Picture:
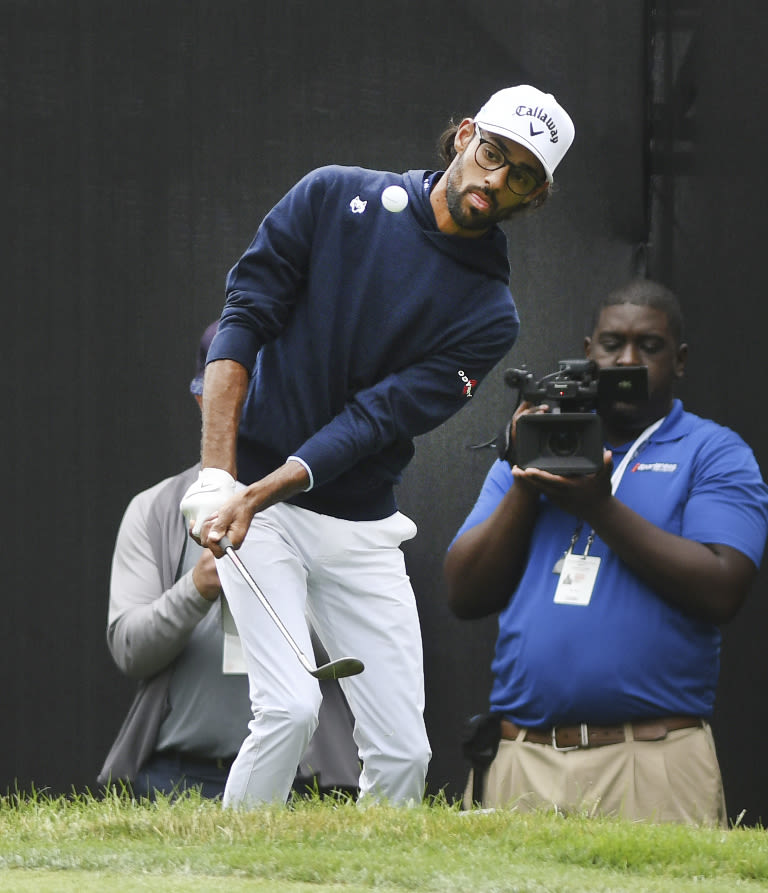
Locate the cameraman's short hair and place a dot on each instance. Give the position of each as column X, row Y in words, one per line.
column 646, row 293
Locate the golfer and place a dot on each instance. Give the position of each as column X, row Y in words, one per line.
column 349, row 328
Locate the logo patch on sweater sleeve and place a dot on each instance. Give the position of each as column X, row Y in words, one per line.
column 469, row 383
column 357, row 205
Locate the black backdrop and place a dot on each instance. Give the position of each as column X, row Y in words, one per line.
column 142, row 143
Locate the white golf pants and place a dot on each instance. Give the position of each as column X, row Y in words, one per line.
column 348, row 578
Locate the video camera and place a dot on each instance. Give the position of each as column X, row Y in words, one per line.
column 568, row 440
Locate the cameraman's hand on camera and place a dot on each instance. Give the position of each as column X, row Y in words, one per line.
column 580, row 495
column 509, row 451
column 527, row 408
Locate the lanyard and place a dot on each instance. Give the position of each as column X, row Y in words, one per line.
column 618, row 474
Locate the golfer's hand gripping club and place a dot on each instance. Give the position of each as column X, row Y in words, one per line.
column 335, row 669
column 206, row 496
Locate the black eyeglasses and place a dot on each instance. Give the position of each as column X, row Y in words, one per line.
column 490, row 158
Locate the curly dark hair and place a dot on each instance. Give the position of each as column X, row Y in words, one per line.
column 447, row 152
column 445, row 148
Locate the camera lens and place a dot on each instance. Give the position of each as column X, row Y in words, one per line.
column 565, row 442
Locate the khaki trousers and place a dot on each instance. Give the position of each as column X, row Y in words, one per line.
column 676, row 779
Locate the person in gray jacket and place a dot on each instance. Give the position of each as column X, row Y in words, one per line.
column 169, row 627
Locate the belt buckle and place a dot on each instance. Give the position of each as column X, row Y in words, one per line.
column 584, row 733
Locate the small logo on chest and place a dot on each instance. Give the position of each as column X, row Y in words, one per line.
column 665, row 467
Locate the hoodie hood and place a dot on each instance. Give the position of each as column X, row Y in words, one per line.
column 488, row 254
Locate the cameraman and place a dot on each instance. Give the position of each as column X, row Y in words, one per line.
column 607, row 659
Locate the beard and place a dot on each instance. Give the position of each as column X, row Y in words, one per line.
column 626, row 420
column 466, row 215
column 625, row 416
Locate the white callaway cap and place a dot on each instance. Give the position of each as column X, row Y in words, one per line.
column 532, row 118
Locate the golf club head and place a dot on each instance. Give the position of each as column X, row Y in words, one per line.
column 336, row 669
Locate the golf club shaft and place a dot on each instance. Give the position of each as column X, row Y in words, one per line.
column 227, row 546
column 335, row 669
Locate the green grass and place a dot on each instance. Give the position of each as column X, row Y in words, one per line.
column 82, row 843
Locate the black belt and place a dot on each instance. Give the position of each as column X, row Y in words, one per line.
column 584, row 735
column 193, row 763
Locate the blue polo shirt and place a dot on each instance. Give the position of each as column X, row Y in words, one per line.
column 628, row 654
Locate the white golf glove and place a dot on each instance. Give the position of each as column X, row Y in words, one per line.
column 206, row 496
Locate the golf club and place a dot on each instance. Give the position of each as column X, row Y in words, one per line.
column 335, row 669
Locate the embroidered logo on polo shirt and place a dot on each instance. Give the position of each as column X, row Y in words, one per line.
column 357, row 205
column 469, row 383
column 666, row 467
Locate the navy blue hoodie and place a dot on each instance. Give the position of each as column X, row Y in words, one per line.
column 363, row 328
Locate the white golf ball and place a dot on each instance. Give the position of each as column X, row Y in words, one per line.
column 394, row 198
